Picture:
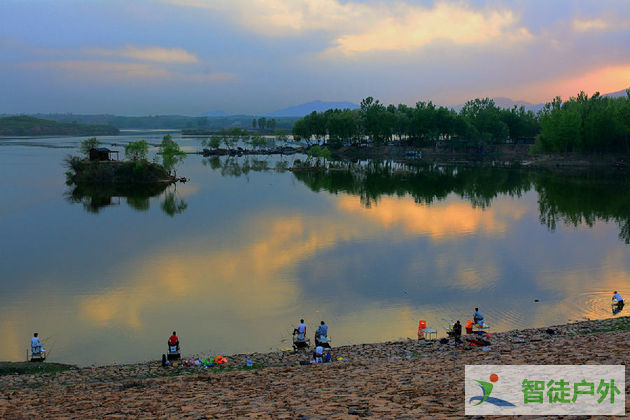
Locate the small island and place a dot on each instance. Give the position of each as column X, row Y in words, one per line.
column 98, row 168
column 23, row 125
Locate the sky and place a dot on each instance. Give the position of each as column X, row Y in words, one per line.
column 148, row 57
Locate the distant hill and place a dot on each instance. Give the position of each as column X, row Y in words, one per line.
column 214, row 114
column 503, row 102
column 125, row 122
column 509, row 103
column 305, row 109
column 619, row 94
column 23, row 125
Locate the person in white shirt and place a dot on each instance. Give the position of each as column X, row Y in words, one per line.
column 36, row 345
column 319, row 354
column 300, row 330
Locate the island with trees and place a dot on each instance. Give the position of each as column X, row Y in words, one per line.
column 136, row 169
column 94, row 178
column 23, row 125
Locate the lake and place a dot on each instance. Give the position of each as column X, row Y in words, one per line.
column 235, row 257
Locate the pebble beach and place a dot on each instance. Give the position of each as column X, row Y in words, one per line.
column 403, row 379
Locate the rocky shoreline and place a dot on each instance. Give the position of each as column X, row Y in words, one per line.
column 405, row 379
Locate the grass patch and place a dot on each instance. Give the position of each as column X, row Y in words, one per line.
column 30, row 368
column 181, row 371
column 621, row 325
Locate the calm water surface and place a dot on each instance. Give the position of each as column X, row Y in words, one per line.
column 233, row 259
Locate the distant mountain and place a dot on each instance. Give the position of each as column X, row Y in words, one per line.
column 214, row 114
column 619, row 94
column 509, row 103
column 305, row 109
column 502, row 102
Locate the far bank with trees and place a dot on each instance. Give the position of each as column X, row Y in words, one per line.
column 23, row 125
column 581, row 124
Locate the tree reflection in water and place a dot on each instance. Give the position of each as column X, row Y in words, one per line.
column 569, row 198
column 96, row 197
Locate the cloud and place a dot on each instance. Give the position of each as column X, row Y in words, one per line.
column 156, row 54
column 121, row 71
column 583, row 25
column 599, row 24
column 439, row 221
column 257, row 264
column 113, row 70
column 354, row 27
column 604, row 80
column 445, row 22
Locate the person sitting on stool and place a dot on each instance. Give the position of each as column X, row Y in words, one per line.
column 173, row 340
column 36, row 345
column 477, row 317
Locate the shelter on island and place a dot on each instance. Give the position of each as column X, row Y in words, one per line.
column 103, row 153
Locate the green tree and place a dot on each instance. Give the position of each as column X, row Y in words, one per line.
column 88, row 144
column 258, row 141
column 213, row 142
column 137, row 150
column 171, row 153
column 319, row 152
column 376, row 121
column 485, row 119
column 281, row 135
column 301, row 130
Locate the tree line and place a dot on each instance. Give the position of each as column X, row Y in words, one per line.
column 581, row 124
column 586, row 125
column 263, row 123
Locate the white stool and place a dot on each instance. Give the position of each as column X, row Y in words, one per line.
column 428, row 332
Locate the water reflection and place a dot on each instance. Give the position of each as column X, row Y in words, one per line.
column 572, row 199
column 575, row 200
column 241, row 166
column 368, row 247
column 138, row 197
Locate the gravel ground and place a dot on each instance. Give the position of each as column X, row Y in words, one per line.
column 407, row 379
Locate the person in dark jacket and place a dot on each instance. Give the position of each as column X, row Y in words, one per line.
column 457, row 331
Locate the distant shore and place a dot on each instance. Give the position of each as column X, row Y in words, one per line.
column 23, row 125
column 393, row 379
column 509, row 155
column 506, row 155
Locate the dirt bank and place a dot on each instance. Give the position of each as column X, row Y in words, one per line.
column 407, row 379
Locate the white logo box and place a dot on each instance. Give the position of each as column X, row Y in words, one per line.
column 549, row 390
